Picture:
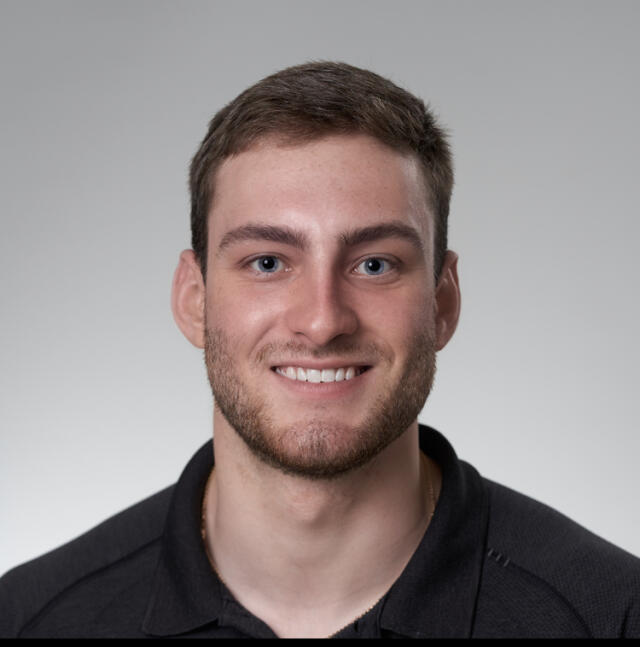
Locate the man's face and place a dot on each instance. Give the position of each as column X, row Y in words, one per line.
column 320, row 309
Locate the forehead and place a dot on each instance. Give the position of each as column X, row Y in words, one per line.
column 323, row 186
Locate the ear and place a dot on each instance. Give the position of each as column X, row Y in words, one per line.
column 447, row 300
column 187, row 298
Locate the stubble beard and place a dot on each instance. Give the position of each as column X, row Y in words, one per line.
column 319, row 447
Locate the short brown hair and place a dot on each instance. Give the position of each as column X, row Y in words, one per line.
column 306, row 102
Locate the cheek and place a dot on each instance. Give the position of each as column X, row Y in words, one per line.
column 395, row 314
column 241, row 316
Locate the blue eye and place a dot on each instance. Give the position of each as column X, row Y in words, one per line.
column 266, row 264
column 374, row 266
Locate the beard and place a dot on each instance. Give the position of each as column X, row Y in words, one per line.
column 319, row 447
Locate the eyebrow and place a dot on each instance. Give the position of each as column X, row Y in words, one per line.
column 273, row 233
column 380, row 232
column 299, row 240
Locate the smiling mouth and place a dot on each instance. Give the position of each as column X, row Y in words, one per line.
column 318, row 376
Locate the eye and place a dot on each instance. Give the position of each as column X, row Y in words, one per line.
column 266, row 264
column 374, row 266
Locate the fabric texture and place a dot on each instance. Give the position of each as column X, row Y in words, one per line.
column 492, row 564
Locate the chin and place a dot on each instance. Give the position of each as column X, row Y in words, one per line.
column 318, row 448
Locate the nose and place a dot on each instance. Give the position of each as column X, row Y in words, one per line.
column 320, row 310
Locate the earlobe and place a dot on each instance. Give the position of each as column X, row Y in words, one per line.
column 187, row 298
column 447, row 300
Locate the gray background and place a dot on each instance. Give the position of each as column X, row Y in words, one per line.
column 102, row 401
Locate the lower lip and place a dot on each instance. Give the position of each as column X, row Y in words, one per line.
column 323, row 390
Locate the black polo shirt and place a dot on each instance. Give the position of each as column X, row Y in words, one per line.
column 493, row 563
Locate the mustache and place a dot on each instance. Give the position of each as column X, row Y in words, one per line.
column 343, row 348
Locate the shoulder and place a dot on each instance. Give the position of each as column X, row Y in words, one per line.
column 107, row 558
column 560, row 573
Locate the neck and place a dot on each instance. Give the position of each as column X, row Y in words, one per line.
column 308, row 556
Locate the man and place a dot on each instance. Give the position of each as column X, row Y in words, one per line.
column 320, row 287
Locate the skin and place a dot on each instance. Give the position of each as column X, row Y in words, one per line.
column 311, row 530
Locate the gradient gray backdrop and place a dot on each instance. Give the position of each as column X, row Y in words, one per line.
column 102, row 401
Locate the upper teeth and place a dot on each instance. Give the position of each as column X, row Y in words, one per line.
column 315, row 375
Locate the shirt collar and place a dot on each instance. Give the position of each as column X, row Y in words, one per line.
column 186, row 592
column 434, row 597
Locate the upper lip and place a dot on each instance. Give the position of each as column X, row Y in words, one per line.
column 320, row 364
